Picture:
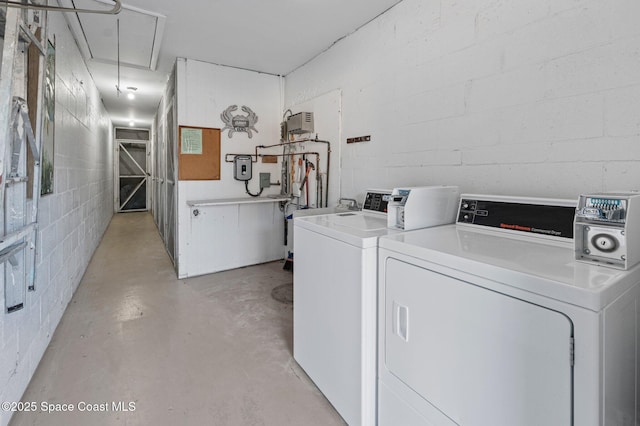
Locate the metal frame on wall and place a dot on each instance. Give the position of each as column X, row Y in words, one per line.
column 49, row 125
column 19, row 214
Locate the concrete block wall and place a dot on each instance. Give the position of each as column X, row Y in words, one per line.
column 538, row 98
column 72, row 220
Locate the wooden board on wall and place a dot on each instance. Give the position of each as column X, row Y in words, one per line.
column 199, row 158
column 33, row 74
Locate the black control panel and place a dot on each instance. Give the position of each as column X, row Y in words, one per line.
column 373, row 201
column 549, row 220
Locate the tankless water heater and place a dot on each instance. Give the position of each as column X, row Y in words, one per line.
column 301, row 122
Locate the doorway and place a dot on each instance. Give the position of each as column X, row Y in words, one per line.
column 132, row 170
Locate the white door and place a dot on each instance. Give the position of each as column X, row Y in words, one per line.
column 480, row 357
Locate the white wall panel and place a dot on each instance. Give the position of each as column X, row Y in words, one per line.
column 204, row 91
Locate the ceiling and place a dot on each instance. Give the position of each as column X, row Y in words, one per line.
column 274, row 37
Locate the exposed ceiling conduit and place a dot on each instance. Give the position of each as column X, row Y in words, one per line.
column 117, row 6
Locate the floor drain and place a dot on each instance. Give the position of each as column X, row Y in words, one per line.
column 283, row 293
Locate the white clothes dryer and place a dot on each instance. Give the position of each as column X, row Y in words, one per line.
column 491, row 322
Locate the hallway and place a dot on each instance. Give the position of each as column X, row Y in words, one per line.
column 210, row 350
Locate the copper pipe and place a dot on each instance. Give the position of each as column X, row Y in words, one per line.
column 326, row 202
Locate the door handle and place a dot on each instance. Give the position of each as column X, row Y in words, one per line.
column 401, row 321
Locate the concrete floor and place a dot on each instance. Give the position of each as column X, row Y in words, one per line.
column 211, row 350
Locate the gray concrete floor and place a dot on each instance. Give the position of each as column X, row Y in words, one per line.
column 211, row 350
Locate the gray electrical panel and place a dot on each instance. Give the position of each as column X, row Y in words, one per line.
column 265, row 180
column 242, row 167
column 301, row 122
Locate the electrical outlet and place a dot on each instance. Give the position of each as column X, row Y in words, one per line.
column 265, row 180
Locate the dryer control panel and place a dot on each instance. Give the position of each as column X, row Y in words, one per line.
column 605, row 229
column 544, row 217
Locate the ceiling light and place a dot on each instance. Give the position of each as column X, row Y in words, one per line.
column 131, row 92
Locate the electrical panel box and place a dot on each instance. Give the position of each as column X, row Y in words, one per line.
column 606, row 229
column 301, row 122
column 242, row 167
column 265, row 180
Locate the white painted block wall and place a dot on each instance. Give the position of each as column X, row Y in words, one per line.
column 72, row 219
column 204, row 91
column 538, row 98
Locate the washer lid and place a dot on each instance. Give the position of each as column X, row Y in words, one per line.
column 533, row 264
column 356, row 228
column 355, row 220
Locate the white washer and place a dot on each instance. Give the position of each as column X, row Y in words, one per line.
column 334, row 304
column 492, row 322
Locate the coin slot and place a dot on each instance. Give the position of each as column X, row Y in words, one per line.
column 604, row 242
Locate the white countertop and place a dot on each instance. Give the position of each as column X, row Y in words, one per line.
column 238, row 200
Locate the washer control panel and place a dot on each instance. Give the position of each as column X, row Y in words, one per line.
column 603, row 225
column 374, row 201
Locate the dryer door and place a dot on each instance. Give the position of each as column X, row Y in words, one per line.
column 480, row 357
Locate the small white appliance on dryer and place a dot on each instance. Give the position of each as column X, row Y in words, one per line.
column 335, row 301
column 492, row 322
